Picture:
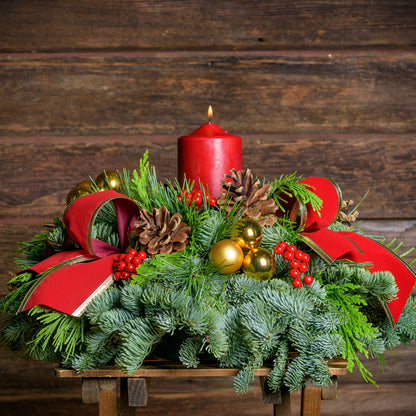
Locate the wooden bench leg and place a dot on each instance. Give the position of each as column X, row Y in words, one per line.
column 330, row 391
column 283, row 408
column 107, row 405
column 280, row 400
column 90, row 390
column 310, row 400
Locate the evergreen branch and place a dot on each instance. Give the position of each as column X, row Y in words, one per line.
column 63, row 333
column 354, row 328
column 288, row 186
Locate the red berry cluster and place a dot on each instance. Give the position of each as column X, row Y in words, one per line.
column 196, row 197
column 297, row 262
column 126, row 264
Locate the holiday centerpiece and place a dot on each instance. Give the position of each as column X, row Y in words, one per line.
column 235, row 270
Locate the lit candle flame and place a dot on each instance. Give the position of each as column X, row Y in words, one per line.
column 210, row 113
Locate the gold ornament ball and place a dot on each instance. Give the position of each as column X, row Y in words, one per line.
column 226, row 255
column 247, row 233
column 259, row 264
column 81, row 189
column 109, row 179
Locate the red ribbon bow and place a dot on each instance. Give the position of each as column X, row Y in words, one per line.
column 73, row 278
column 333, row 245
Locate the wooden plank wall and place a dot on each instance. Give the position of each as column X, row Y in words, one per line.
column 319, row 87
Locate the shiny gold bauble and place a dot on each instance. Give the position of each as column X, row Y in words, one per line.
column 227, row 256
column 81, row 189
column 247, row 233
column 109, row 179
column 259, row 264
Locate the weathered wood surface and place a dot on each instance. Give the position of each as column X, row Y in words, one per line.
column 39, row 171
column 33, row 25
column 251, row 92
column 321, row 87
column 188, row 396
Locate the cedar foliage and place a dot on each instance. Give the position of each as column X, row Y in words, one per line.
column 180, row 307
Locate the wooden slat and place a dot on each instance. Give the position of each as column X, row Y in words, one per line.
column 168, row 93
column 39, row 171
column 160, row 368
column 34, row 25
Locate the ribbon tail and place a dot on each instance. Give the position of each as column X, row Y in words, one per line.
column 328, row 244
column 383, row 259
column 70, row 288
column 333, row 245
column 66, row 257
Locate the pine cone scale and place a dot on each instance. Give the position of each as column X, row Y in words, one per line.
column 159, row 233
column 241, row 187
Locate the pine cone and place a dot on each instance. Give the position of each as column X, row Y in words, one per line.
column 346, row 215
column 160, row 233
column 246, row 190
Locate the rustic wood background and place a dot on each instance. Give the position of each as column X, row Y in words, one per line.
column 319, row 87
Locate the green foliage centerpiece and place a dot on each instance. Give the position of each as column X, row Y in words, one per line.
column 171, row 291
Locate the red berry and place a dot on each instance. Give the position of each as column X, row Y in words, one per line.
column 188, row 198
column 179, row 198
column 308, row 279
column 198, row 193
column 299, row 255
column 212, row 201
column 291, row 248
column 132, row 251
column 306, row 258
column 283, row 244
column 294, row 273
column 122, row 256
column 303, row 267
column 288, row 255
column 125, row 275
column 198, row 199
column 117, row 276
column 294, row 264
column 296, row 282
column 115, row 266
column 278, row 249
column 128, row 258
column 141, row 255
column 136, row 261
column 121, row 266
column 130, row 268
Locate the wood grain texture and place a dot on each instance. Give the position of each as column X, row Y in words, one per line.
column 186, row 397
column 321, row 87
column 168, row 93
column 39, row 171
column 35, row 25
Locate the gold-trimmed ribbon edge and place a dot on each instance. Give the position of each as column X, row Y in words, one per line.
column 100, row 289
column 94, row 216
column 74, row 260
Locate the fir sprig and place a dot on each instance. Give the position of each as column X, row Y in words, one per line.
column 63, row 333
column 354, row 327
column 288, row 186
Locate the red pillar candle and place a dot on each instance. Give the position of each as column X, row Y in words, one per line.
column 206, row 155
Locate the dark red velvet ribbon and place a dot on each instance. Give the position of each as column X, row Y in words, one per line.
column 72, row 279
column 344, row 245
